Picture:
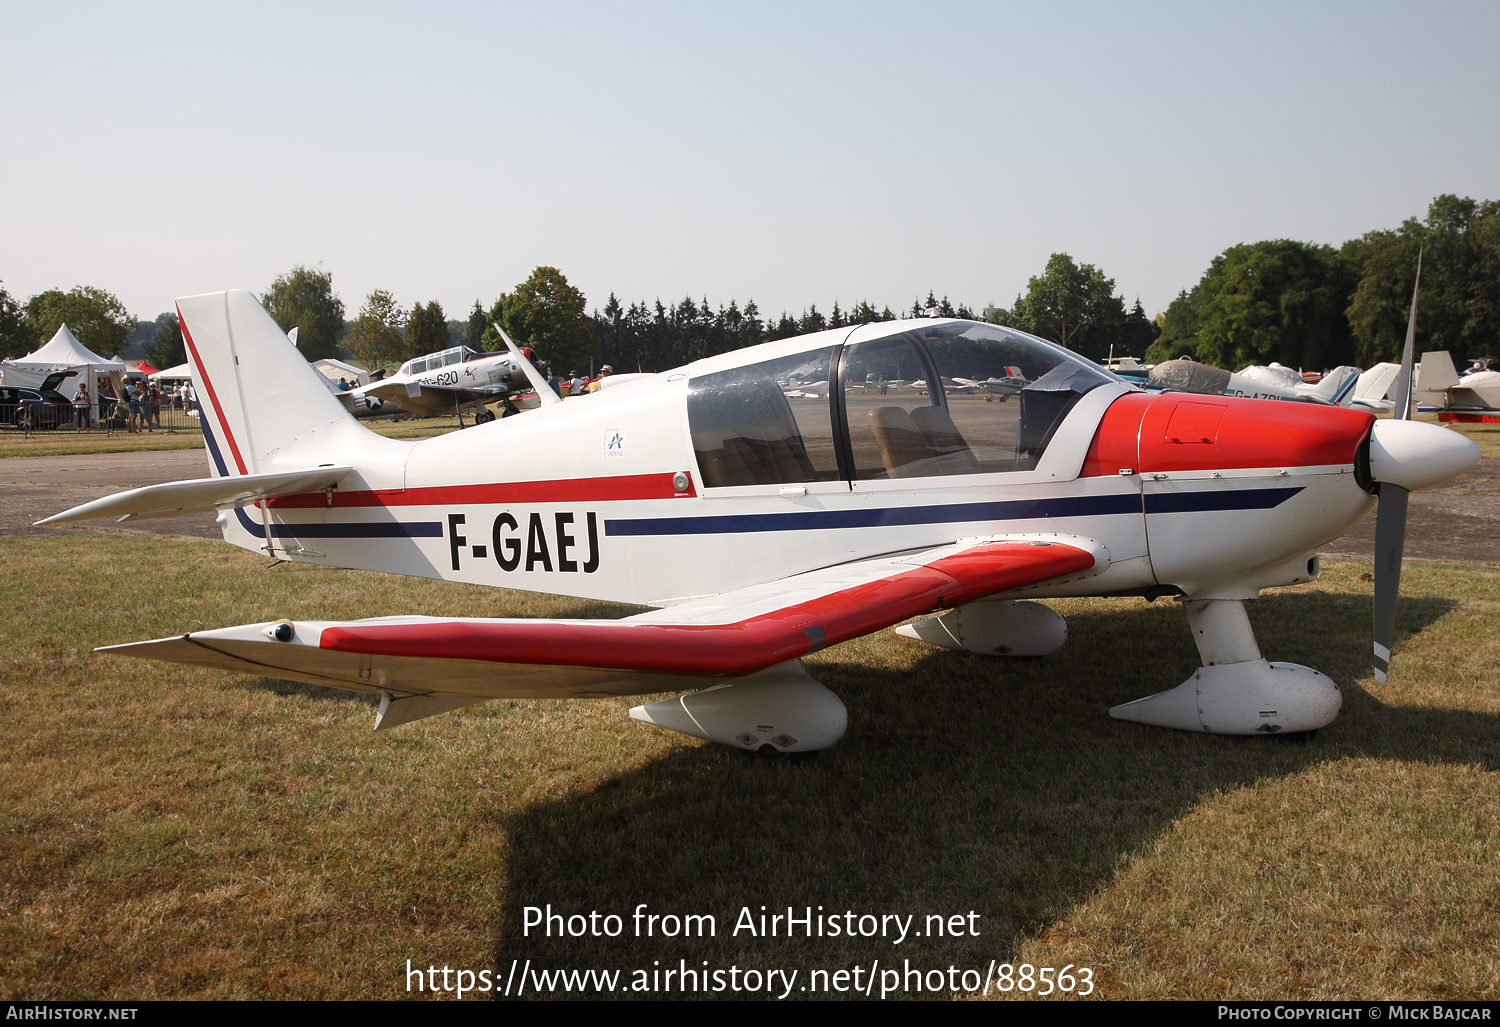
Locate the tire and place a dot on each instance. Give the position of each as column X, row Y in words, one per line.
column 25, row 420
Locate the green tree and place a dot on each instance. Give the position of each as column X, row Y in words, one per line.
column 166, row 348
column 303, row 298
column 95, row 317
column 427, row 329
column 1065, row 301
column 548, row 314
column 1131, row 337
column 16, row 338
column 1179, row 330
column 375, row 337
column 1460, row 302
column 478, row 324
column 1258, row 302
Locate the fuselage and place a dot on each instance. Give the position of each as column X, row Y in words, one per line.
column 708, row 478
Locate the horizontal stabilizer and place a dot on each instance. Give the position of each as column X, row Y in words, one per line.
column 200, row 495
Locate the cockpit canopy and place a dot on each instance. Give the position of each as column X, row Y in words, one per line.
column 442, row 358
column 944, row 398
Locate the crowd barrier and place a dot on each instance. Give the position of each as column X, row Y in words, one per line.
column 111, row 418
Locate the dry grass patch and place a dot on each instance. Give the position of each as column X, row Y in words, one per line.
column 176, row 832
column 71, row 443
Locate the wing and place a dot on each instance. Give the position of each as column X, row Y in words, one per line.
column 688, row 645
column 200, row 495
column 425, row 400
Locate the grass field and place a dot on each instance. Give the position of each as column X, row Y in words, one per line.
column 171, row 832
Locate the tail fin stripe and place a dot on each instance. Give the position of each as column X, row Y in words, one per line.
column 212, row 395
column 213, row 447
column 1350, row 382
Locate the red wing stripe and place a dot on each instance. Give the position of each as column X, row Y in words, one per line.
column 580, row 490
column 729, row 650
column 213, row 396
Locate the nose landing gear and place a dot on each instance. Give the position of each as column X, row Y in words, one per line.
column 1236, row 691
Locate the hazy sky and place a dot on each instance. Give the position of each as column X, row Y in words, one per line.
column 794, row 153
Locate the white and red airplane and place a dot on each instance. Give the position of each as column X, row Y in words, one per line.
column 762, row 530
column 440, row 383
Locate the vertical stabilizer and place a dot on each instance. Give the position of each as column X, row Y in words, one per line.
column 257, row 395
column 1337, row 386
column 1437, row 376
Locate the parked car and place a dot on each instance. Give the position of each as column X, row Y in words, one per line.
column 34, row 409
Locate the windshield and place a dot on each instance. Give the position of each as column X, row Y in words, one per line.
column 958, row 398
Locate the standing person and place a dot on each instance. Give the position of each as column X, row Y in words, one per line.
column 153, row 405
column 135, row 407
column 596, row 384
column 81, row 407
column 107, row 402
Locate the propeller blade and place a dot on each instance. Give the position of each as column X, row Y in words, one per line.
column 544, row 391
column 1401, row 390
column 1390, row 541
column 1390, row 515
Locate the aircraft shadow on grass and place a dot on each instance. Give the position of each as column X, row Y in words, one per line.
column 965, row 783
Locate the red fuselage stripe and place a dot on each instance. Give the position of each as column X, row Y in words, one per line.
column 565, row 490
column 212, row 396
column 730, row 650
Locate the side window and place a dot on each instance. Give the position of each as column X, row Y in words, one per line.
column 765, row 424
column 887, row 400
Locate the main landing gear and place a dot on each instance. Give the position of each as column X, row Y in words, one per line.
column 780, row 711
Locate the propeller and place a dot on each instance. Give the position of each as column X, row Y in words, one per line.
column 1390, row 515
column 544, row 391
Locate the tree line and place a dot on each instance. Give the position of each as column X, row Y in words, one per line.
column 1302, row 304
column 1315, row 306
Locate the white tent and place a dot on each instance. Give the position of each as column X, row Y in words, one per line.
column 61, row 353
column 173, row 373
column 63, row 350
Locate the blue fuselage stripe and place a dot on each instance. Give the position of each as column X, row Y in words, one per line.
column 1009, row 510
column 346, row 529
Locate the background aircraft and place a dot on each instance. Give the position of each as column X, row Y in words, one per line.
column 761, row 531
column 1271, row 382
column 440, row 383
column 1373, row 387
column 1475, row 396
column 1009, row 382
